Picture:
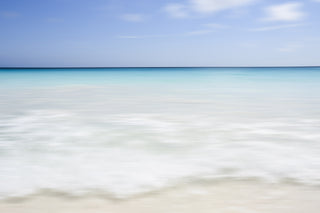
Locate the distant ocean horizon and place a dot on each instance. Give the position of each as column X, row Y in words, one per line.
column 121, row 67
column 132, row 130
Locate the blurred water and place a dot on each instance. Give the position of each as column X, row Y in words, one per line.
column 126, row 131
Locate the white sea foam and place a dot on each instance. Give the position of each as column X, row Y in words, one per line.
column 126, row 154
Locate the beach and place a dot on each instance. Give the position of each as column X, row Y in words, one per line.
column 222, row 197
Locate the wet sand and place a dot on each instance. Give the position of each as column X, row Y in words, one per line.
column 222, row 197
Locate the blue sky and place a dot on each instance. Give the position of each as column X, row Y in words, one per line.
column 159, row 32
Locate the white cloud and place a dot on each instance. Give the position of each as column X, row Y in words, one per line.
column 133, row 17
column 9, row 14
column 276, row 27
column 203, row 7
column 284, row 12
column 209, row 6
column 177, row 10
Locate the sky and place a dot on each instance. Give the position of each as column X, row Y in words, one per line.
column 53, row 33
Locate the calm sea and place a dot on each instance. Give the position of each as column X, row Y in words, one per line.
column 126, row 131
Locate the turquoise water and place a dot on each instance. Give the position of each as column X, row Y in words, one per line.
column 125, row 131
column 103, row 76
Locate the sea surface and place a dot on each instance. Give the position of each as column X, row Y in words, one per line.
column 126, row 131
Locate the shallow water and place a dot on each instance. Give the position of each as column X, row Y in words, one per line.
column 128, row 131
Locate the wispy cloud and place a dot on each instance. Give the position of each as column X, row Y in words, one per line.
column 209, row 6
column 184, row 34
column 133, row 17
column 129, row 37
column 284, row 12
column 207, row 29
column 276, row 27
column 144, row 36
column 177, row 10
column 183, row 10
column 9, row 14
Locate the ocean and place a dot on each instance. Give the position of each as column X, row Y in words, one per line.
column 123, row 132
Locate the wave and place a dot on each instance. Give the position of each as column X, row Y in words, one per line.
column 127, row 154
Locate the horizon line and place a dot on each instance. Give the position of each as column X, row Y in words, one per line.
column 119, row 67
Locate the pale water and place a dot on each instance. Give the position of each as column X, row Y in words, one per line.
column 126, row 131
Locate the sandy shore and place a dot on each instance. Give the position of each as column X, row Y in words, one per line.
column 226, row 197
